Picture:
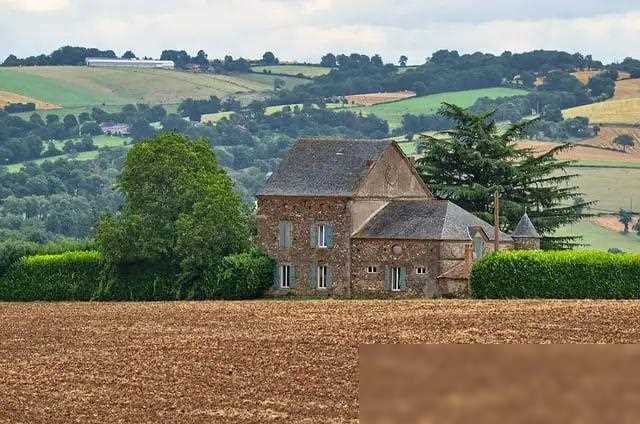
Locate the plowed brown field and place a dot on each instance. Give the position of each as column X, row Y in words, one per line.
column 248, row 362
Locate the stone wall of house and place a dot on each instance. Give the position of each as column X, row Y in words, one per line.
column 380, row 253
column 526, row 244
column 392, row 176
column 302, row 213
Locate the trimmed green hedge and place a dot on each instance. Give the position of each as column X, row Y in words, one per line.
column 67, row 276
column 556, row 275
column 83, row 276
column 243, row 276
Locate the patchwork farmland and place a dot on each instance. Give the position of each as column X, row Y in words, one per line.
column 79, row 87
column 425, row 105
column 309, row 71
column 249, row 362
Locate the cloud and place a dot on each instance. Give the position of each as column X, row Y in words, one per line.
column 35, row 5
column 306, row 29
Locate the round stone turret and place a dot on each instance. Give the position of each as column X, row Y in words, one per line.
column 525, row 236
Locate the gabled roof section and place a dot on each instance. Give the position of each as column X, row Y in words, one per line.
column 324, row 167
column 525, row 229
column 425, row 220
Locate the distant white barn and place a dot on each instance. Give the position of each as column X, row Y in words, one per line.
column 100, row 62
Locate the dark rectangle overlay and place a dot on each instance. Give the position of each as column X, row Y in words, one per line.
column 499, row 384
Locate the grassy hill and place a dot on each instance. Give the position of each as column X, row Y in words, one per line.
column 77, row 87
column 310, row 71
column 101, row 142
column 599, row 238
column 425, row 105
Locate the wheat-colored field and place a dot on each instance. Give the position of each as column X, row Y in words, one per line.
column 585, row 76
column 627, row 89
column 626, row 112
column 371, row 99
column 248, row 362
column 7, row 98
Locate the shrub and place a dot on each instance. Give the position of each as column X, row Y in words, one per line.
column 555, row 274
column 67, row 276
column 138, row 281
column 12, row 250
column 242, row 276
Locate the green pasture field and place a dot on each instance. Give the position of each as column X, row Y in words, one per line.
column 596, row 237
column 427, row 105
column 76, row 87
column 310, row 71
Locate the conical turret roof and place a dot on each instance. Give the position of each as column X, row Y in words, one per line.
column 525, row 228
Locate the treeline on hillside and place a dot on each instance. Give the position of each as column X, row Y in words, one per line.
column 22, row 140
column 444, row 71
column 560, row 90
column 58, row 199
column 64, row 56
column 182, row 233
column 75, row 56
column 249, row 145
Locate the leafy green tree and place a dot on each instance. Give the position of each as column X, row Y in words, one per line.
column 90, row 128
column 269, row 59
column 180, row 209
column 625, row 217
column 475, row 158
column 329, row 60
column 70, row 122
column 403, row 61
column 129, row 55
column 624, row 141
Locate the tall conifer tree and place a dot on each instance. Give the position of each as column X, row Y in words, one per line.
column 469, row 162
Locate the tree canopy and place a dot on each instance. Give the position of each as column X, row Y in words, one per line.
column 468, row 163
column 179, row 209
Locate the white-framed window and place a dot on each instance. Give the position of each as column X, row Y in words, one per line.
column 372, row 269
column 421, row 270
column 396, row 284
column 285, row 276
column 322, row 236
column 322, row 276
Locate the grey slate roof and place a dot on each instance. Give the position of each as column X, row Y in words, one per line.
column 328, row 167
column 425, row 220
column 525, row 228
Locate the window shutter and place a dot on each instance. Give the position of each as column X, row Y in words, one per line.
column 403, row 278
column 313, row 235
column 276, row 277
column 292, row 276
column 329, row 235
column 387, row 278
column 313, row 275
column 329, row 277
column 282, row 235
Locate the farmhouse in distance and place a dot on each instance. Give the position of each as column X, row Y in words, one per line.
column 351, row 218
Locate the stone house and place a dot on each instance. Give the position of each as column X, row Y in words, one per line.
column 352, row 218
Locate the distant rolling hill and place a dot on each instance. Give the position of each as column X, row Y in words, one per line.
column 78, row 87
column 426, row 105
column 309, row 71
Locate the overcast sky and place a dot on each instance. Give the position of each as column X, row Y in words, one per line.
column 305, row 29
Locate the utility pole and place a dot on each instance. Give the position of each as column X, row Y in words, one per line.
column 496, row 221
